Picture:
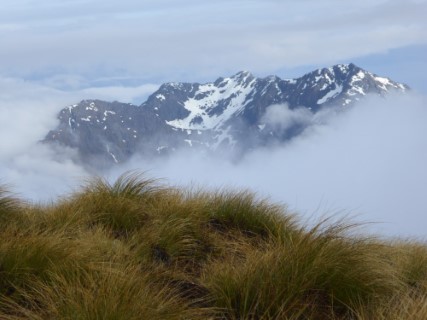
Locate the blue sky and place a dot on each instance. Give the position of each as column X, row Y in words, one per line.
column 371, row 161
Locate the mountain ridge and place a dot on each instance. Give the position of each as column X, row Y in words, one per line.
column 228, row 113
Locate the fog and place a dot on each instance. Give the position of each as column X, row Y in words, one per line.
column 368, row 161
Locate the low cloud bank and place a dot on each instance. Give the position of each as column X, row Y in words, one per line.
column 28, row 111
column 368, row 161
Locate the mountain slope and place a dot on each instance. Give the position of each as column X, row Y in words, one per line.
column 229, row 113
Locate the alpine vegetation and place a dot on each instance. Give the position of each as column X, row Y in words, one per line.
column 137, row 249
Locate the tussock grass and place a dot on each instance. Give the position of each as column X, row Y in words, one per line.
column 9, row 207
column 136, row 249
column 241, row 211
column 319, row 274
column 410, row 304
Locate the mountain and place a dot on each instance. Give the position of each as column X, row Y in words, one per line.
column 230, row 114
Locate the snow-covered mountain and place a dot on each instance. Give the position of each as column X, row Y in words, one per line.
column 231, row 113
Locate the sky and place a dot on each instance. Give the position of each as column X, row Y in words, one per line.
column 56, row 53
column 80, row 44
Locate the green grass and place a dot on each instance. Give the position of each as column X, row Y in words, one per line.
column 136, row 249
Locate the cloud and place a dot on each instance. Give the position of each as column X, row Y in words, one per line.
column 173, row 39
column 135, row 95
column 39, row 173
column 281, row 118
column 28, row 111
column 368, row 161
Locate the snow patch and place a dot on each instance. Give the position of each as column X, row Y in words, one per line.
column 112, row 154
column 71, row 107
column 161, row 97
column 92, row 107
column 161, row 148
column 330, row 94
column 383, row 81
column 291, row 81
column 325, row 85
column 234, row 91
column 106, row 113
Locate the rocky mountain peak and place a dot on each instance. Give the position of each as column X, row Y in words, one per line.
column 226, row 113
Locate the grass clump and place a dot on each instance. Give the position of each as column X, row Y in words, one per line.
column 241, row 211
column 121, row 206
column 26, row 255
column 135, row 249
column 10, row 207
column 321, row 274
column 105, row 292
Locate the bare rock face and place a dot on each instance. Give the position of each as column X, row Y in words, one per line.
column 229, row 113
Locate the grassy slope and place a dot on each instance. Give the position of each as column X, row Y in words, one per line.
column 136, row 250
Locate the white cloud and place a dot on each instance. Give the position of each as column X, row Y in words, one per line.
column 281, row 118
column 37, row 173
column 135, row 95
column 171, row 38
column 28, row 111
